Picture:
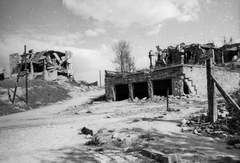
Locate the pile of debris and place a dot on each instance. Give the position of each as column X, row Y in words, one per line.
column 227, row 126
column 157, row 98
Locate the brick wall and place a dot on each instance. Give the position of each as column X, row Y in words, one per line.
column 228, row 79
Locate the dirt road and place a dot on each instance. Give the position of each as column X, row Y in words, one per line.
column 33, row 136
column 51, row 134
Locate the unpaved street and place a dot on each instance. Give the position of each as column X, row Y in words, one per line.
column 51, row 134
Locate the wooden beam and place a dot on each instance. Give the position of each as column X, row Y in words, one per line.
column 225, row 95
column 211, row 91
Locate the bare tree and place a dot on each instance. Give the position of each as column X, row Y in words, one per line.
column 123, row 60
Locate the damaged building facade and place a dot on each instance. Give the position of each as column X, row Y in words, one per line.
column 45, row 64
column 179, row 72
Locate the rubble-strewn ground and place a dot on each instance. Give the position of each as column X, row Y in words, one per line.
column 122, row 131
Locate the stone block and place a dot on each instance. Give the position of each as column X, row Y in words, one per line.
column 159, row 156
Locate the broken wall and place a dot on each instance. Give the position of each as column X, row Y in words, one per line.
column 174, row 74
column 194, row 77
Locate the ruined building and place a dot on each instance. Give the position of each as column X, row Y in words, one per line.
column 178, row 70
column 45, row 64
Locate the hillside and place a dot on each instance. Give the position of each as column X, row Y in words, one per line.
column 40, row 93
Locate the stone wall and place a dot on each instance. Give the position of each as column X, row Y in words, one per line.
column 173, row 73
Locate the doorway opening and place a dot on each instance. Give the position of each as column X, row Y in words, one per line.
column 140, row 90
column 160, row 87
column 122, row 92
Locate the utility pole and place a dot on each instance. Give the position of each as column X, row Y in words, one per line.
column 26, row 73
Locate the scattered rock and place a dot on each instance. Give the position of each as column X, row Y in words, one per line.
column 99, row 150
column 95, row 141
column 159, row 156
column 195, row 131
column 229, row 147
column 88, row 137
column 88, row 111
column 132, row 149
column 183, row 122
column 237, row 146
column 86, row 131
column 115, row 135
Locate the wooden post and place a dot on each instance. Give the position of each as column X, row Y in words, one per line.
column 26, row 73
column 167, row 99
column 211, row 91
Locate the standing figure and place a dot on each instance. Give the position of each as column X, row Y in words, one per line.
column 30, row 54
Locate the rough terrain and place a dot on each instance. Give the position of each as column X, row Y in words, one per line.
column 52, row 133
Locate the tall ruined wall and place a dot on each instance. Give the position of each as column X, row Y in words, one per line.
column 229, row 80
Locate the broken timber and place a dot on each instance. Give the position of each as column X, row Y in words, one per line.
column 225, row 95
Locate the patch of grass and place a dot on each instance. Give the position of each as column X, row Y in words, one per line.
column 8, row 108
column 40, row 93
column 47, row 94
column 9, row 83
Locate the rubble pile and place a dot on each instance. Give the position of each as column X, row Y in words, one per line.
column 157, row 98
column 226, row 127
column 135, row 111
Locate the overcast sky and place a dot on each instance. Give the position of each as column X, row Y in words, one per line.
column 88, row 28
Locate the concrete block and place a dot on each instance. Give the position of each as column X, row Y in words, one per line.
column 159, row 156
